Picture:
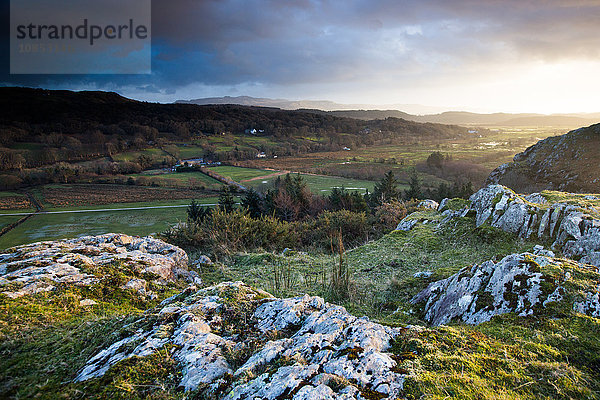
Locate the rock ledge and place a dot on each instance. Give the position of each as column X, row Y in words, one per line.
column 235, row 342
column 39, row 267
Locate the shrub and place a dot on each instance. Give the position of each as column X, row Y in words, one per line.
column 318, row 233
column 8, row 182
column 388, row 215
column 229, row 232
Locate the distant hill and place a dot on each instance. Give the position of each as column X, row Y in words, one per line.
column 69, row 112
column 314, row 105
column 409, row 112
column 474, row 119
column 567, row 163
column 40, row 127
column 265, row 102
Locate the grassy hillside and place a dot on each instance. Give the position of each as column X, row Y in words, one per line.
column 382, row 271
column 566, row 163
column 543, row 356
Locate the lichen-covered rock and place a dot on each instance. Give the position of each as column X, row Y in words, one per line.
column 39, row 267
column 429, row 204
column 407, row 224
column 574, row 229
column 519, row 283
column 539, row 250
column 203, row 259
column 425, row 216
column 235, row 342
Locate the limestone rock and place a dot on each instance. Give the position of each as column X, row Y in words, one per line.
column 87, row 303
column 38, row 267
column 429, row 204
column 202, row 260
column 406, row 224
column 590, row 305
column 574, row 229
column 490, row 200
column 539, row 250
column 313, row 345
column 519, row 283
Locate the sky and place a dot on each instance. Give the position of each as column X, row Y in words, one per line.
column 475, row 55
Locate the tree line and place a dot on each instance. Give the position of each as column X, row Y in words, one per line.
column 290, row 215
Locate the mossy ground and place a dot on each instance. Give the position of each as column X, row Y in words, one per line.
column 508, row 357
column 45, row 339
column 382, row 272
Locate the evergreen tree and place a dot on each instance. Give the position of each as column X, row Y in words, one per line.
column 442, row 192
column 467, row 190
column 414, row 191
column 359, row 204
column 269, row 201
column 299, row 193
column 253, row 202
column 336, row 198
column 342, row 199
column 436, row 160
column 197, row 212
column 226, row 200
column 385, row 190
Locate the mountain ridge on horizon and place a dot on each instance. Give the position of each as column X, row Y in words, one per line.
column 368, row 112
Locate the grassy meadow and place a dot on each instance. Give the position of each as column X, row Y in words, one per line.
column 140, row 222
column 496, row 146
column 262, row 180
column 240, row 174
column 178, row 179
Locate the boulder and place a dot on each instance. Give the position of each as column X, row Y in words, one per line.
column 42, row 266
column 539, row 250
column 298, row 345
column 490, row 200
column 203, row 260
column 520, row 283
column 406, row 224
column 87, row 303
column 429, row 204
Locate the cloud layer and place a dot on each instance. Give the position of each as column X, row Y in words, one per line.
column 351, row 49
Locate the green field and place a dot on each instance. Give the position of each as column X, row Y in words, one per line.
column 7, row 220
column 224, row 143
column 134, row 155
column 185, row 151
column 178, row 179
column 157, row 203
column 321, row 184
column 239, row 174
column 11, row 194
column 132, row 222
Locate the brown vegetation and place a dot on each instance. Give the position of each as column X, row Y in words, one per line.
column 77, row 195
column 14, row 202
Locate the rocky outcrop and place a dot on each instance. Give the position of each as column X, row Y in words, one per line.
column 565, row 163
column 235, row 342
column 573, row 228
column 41, row 267
column 520, row 283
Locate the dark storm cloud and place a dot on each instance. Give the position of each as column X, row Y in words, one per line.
column 232, row 42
